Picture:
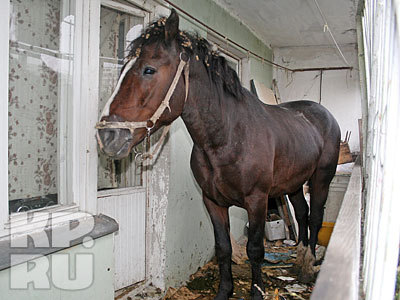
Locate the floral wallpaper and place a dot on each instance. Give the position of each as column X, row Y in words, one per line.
column 36, row 78
column 33, row 98
column 115, row 30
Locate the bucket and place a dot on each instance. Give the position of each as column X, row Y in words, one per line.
column 275, row 230
column 325, row 232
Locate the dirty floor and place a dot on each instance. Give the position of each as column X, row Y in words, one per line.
column 279, row 276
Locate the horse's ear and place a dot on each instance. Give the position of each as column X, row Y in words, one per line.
column 171, row 26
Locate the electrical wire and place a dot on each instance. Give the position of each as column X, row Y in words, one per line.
column 326, row 26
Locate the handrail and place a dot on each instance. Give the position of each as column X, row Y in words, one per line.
column 339, row 275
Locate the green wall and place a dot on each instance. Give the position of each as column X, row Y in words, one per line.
column 189, row 234
column 261, row 72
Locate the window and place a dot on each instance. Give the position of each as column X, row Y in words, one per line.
column 233, row 62
column 53, row 75
column 117, row 30
column 40, row 81
column 232, row 55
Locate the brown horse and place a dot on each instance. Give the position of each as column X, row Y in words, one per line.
column 244, row 151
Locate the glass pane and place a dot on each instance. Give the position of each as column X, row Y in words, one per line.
column 39, row 84
column 117, row 30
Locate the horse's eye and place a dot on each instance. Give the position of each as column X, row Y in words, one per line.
column 148, row 71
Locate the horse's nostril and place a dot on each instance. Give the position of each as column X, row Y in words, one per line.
column 109, row 135
column 112, row 137
column 115, row 142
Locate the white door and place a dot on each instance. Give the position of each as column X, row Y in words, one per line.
column 121, row 184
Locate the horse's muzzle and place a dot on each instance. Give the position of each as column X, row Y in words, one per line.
column 116, row 142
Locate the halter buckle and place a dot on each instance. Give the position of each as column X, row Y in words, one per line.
column 139, row 158
column 149, row 127
column 181, row 57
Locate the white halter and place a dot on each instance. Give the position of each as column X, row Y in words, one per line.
column 150, row 123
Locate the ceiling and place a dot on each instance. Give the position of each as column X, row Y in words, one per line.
column 285, row 23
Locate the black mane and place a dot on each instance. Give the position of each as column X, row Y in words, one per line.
column 199, row 49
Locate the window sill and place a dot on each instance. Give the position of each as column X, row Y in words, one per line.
column 103, row 225
column 19, row 221
column 120, row 191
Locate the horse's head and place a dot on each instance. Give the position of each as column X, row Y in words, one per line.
column 143, row 86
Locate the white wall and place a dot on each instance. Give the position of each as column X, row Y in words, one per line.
column 340, row 89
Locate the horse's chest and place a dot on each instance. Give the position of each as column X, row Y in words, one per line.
column 222, row 184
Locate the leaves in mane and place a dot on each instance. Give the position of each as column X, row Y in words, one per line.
column 197, row 48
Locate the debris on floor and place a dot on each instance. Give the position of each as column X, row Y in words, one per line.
column 184, row 294
column 277, row 258
column 296, row 288
column 279, row 276
column 285, row 278
column 139, row 291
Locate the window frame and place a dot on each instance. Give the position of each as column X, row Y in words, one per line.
column 145, row 14
column 81, row 178
column 233, row 59
column 4, row 65
column 231, row 53
column 81, row 119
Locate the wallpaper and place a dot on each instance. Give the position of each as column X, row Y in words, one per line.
column 33, row 98
column 40, row 36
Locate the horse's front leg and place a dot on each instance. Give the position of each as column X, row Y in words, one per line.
column 256, row 207
column 220, row 219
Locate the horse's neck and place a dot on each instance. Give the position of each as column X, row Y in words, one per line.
column 206, row 115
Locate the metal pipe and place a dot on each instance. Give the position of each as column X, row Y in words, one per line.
column 322, row 69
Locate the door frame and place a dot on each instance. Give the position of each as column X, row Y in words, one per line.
column 123, row 192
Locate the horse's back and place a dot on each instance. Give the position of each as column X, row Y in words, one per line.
column 308, row 138
column 325, row 123
column 317, row 114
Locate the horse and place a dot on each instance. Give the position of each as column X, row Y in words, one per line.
column 244, row 151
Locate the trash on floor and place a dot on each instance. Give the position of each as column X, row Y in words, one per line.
column 296, row 288
column 279, row 275
column 285, row 278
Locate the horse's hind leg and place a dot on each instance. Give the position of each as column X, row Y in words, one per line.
column 319, row 188
column 301, row 210
column 256, row 207
column 220, row 219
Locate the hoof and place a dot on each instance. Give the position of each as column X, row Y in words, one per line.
column 306, row 278
column 307, row 269
column 301, row 252
column 223, row 295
